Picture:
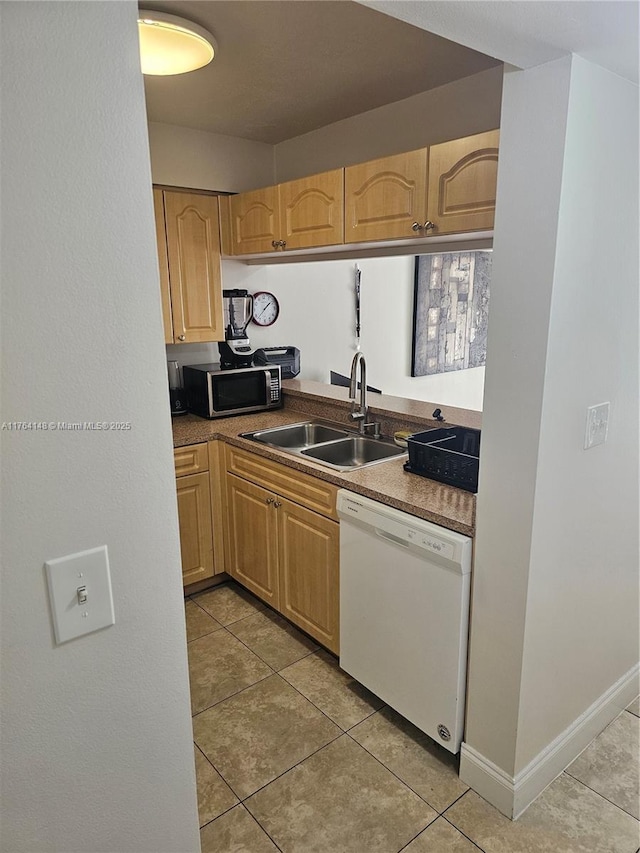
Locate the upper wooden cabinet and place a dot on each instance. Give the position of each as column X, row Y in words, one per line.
column 187, row 228
column 444, row 189
column 254, row 221
column 163, row 263
column 311, row 211
column 385, row 199
column 462, row 184
column 301, row 214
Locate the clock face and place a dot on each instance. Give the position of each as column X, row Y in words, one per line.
column 265, row 308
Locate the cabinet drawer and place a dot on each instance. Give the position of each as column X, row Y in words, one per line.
column 190, row 459
column 302, row 488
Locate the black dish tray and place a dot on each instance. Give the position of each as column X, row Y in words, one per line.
column 448, row 455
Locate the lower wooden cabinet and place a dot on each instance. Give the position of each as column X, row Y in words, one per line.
column 199, row 492
column 309, row 569
column 194, row 517
column 283, row 551
column 252, row 555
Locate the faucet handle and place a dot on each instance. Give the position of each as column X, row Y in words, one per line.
column 372, row 429
column 357, row 416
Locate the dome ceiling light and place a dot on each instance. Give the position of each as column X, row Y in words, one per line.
column 172, row 45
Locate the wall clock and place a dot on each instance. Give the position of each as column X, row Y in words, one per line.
column 265, row 308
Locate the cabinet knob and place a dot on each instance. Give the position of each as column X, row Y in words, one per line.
column 182, row 337
column 283, row 243
column 270, row 500
column 277, row 504
column 429, row 225
column 416, row 226
column 275, row 243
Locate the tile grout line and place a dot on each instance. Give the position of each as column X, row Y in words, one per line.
column 253, row 817
column 602, row 796
column 204, row 610
column 273, row 672
column 231, row 695
column 406, row 784
column 241, row 805
column 214, row 819
column 233, row 791
column 463, row 834
column 300, row 693
column 261, row 607
column 208, row 634
column 312, row 652
column 288, row 770
column 339, row 735
column 388, row 769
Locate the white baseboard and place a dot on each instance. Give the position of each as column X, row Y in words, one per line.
column 511, row 795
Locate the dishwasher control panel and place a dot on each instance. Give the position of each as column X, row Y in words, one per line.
column 404, row 529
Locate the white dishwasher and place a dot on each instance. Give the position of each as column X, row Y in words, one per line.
column 404, row 613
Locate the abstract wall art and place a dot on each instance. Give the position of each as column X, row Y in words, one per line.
column 450, row 312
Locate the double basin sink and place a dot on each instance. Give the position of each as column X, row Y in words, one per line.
column 328, row 445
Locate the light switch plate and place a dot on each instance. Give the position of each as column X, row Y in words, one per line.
column 65, row 576
column 597, row 425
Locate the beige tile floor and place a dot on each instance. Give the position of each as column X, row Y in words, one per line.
column 293, row 755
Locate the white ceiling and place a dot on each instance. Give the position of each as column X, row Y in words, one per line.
column 526, row 33
column 286, row 67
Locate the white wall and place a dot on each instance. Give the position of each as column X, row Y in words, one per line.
column 183, row 157
column 582, row 605
column 317, row 314
column 464, row 107
column 532, row 132
column 97, row 750
column 555, row 599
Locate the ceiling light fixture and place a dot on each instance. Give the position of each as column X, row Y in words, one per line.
column 172, row 45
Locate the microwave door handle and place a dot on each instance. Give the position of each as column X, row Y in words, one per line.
column 210, row 394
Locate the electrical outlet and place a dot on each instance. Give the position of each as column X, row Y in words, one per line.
column 597, row 425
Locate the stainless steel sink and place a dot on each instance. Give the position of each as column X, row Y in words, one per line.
column 297, row 436
column 353, row 452
column 328, row 445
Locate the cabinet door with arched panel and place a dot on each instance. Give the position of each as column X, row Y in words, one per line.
column 254, row 221
column 385, row 199
column 462, row 184
column 311, row 211
column 193, row 244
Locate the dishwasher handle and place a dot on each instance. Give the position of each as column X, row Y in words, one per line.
column 383, row 534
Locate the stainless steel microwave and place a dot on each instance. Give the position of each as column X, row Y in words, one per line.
column 215, row 393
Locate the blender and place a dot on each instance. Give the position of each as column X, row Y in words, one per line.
column 176, row 391
column 235, row 350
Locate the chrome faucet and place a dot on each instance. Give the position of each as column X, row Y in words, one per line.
column 361, row 413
